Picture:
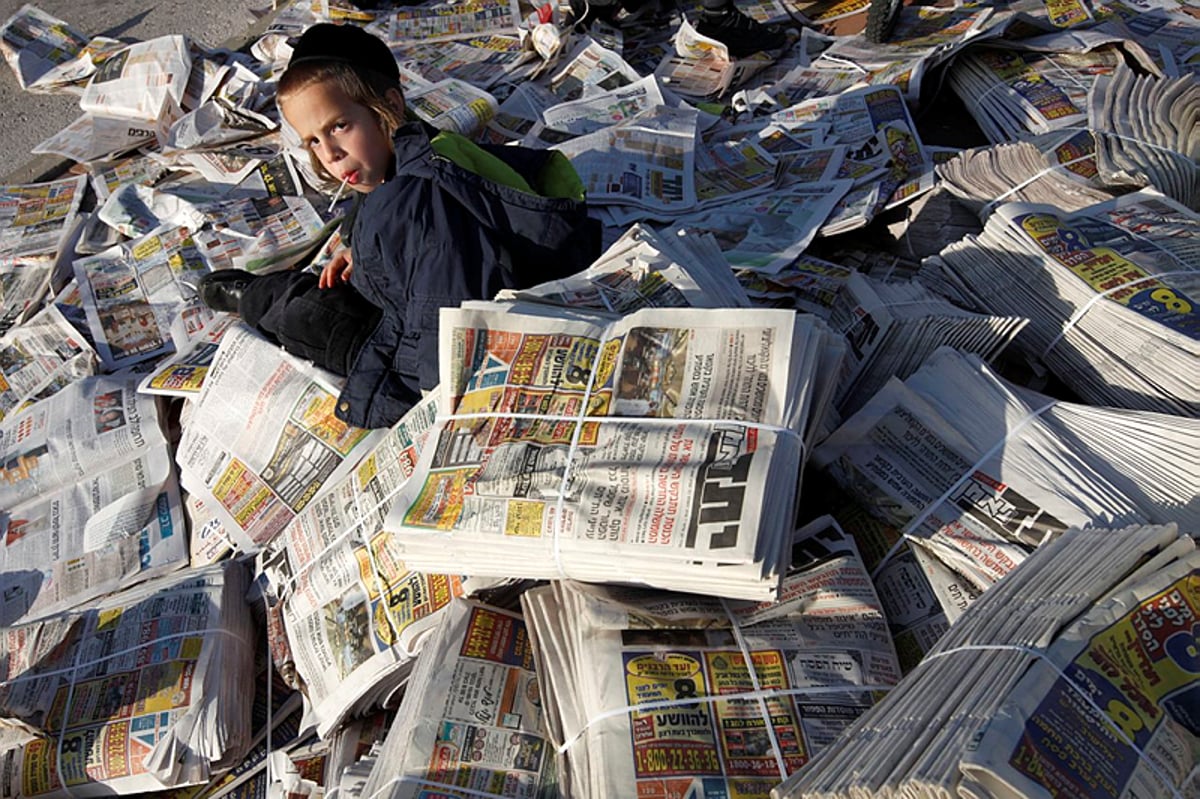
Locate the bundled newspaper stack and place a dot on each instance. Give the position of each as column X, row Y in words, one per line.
column 640, row 449
column 1074, row 676
column 471, row 721
column 149, row 689
column 650, row 693
column 1109, row 292
column 890, row 328
column 89, row 497
column 974, row 473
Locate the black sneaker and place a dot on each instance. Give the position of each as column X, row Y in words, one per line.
column 739, row 33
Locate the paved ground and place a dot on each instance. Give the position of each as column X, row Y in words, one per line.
column 27, row 119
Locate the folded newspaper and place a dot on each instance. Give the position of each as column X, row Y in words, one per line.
column 571, row 442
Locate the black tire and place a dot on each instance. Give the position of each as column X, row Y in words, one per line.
column 881, row 18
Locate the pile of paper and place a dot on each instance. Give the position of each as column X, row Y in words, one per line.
column 646, row 692
column 1078, row 670
column 974, row 473
column 574, row 442
column 144, row 691
column 1108, row 291
column 890, row 328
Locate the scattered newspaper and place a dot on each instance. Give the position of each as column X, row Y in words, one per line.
column 41, row 49
column 24, row 283
column 649, row 693
column 1068, row 678
column 141, row 82
column 35, row 218
column 254, row 463
column 40, row 356
column 89, row 496
column 442, row 21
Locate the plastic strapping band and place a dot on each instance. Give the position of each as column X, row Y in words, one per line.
column 66, row 718
column 920, row 518
column 401, row 779
column 1091, row 703
column 1087, row 306
column 1097, row 132
column 748, row 659
column 1038, row 176
column 580, row 421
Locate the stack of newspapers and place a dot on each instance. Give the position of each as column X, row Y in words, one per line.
column 1110, row 292
column 471, row 722
column 649, row 693
column 890, row 328
column 146, row 690
column 1073, row 677
column 662, row 448
column 975, row 473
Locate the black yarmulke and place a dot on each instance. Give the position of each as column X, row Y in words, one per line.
column 349, row 44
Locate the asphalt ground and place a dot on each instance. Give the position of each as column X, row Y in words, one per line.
column 28, row 119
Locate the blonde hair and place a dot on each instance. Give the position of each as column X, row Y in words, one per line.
column 365, row 87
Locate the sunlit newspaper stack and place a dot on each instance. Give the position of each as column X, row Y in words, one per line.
column 1075, row 676
column 262, row 439
column 89, row 503
column 646, row 268
column 353, row 614
column 648, row 693
column 640, row 449
column 149, row 689
column 1110, row 292
column 975, row 473
column 891, row 327
column 472, row 716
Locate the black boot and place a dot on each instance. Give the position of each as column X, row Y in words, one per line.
column 742, row 35
column 222, row 290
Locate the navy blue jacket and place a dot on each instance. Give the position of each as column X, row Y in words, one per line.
column 436, row 234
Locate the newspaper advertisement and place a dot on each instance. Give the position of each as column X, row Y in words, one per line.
column 592, row 68
column 261, row 234
column 182, row 374
column 472, row 716
column 141, row 82
column 593, row 112
column 354, row 614
column 111, row 711
column 481, row 60
column 91, row 138
column 43, row 352
column 444, row 21
column 454, row 105
column 494, row 482
column 1132, row 657
column 35, row 217
column 88, row 507
column 647, row 161
column 263, row 438
column 132, row 292
column 616, row 648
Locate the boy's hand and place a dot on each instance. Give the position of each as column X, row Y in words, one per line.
column 337, row 270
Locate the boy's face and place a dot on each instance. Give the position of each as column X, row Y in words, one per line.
column 343, row 135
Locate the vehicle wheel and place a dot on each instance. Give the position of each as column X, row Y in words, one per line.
column 881, row 18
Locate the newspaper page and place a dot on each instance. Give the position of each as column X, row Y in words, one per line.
column 454, row 105
column 38, row 46
column 604, row 649
column 24, row 283
column 263, row 438
column 444, row 21
column 647, row 161
column 632, row 483
column 262, row 234
column 36, row 217
column 594, row 111
column 482, row 61
column 354, row 615
column 1134, row 657
column 42, row 352
column 112, row 716
column 182, row 374
column 472, row 716
column 88, row 508
column 133, row 291
column 141, row 82
column 92, row 138
column 807, row 283
column 590, row 68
